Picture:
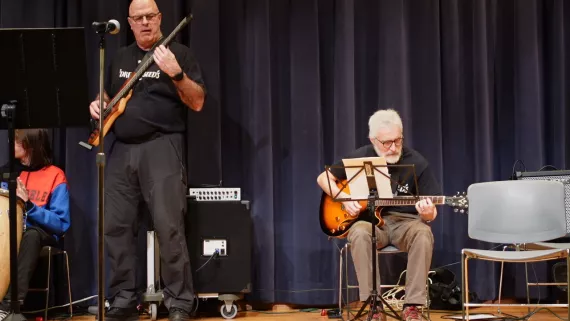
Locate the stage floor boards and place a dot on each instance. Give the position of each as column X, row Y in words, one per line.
column 301, row 316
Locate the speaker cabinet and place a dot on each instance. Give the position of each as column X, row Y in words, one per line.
column 225, row 227
column 559, row 176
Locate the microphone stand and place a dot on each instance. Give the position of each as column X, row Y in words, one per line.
column 100, row 160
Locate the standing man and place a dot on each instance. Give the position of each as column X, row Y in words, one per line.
column 147, row 163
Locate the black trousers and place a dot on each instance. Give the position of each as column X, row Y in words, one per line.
column 33, row 240
column 152, row 172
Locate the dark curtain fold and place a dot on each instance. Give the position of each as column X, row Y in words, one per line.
column 291, row 84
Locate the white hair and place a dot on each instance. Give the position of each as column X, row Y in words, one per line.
column 382, row 119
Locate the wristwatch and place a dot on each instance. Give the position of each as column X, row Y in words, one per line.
column 29, row 205
column 179, row 76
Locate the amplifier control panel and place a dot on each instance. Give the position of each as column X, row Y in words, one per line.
column 216, row 194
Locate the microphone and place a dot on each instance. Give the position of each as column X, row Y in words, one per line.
column 112, row 26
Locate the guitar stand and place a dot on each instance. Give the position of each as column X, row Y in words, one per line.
column 374, row 298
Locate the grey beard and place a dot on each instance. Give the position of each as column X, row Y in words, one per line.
column 386, row 157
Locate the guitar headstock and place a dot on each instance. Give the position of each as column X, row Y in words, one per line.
column 459, row 202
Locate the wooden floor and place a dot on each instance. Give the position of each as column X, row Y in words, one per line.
column 316, row 315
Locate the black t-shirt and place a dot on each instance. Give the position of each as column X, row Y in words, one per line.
column 427, row 184
column 155, row 106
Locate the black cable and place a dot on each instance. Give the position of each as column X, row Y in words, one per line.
column 215, row 255
column 547, row 166
column 514, row 173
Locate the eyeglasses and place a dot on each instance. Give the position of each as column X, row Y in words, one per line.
column 388, row 143
column 149, row 17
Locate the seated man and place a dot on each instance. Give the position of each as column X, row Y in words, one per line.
column 43, row 188
column 406, row 227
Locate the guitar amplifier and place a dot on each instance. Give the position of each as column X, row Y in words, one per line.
column 216, row 194
column 219, row 237
column 560, row 176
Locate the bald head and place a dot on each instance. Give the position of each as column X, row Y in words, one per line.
column 141, row 5
column 145, row 19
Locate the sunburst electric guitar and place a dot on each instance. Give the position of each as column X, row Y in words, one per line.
column 336, row 221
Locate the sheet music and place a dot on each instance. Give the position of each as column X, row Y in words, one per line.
column 359, row 185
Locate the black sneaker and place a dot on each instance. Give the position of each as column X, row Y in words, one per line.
column 121, row 314
column 177, row 314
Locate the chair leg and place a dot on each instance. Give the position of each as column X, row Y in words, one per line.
column 465, row 287
column 48, row 284
column 340, row 282
column 568, row 284
column 501, row 280
column 346, row 248
column 527, row 288
column 68, row 286
column 500, row 286
column 428, row 300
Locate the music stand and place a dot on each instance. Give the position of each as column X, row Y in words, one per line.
column 47, row 88
column 370, row 171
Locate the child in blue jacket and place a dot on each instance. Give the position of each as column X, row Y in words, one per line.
column 43, row 188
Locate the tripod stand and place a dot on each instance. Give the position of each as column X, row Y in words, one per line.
column 48, row 80
column 374, row 298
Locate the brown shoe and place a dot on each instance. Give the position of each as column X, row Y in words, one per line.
column 411, row 313
column 379, row 317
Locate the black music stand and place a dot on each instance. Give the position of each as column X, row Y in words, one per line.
column 369, row 170
column 44, row 86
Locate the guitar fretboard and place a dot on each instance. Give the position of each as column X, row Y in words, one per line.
column 409, row 200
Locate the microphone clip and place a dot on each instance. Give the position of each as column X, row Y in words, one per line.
column 112, row 26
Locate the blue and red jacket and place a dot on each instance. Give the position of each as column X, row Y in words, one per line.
column 48, row 205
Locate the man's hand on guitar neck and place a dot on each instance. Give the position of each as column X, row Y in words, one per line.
column 426, row 209
column 94, row 106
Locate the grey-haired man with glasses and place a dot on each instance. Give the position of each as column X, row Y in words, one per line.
column 406, row 227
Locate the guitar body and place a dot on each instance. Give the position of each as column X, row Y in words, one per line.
column 117, row 111
column 336, row 221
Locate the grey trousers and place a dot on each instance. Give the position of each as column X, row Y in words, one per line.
column 407, row 234
column 153, row 173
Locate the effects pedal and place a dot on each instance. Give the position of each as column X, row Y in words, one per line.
column 216, row 194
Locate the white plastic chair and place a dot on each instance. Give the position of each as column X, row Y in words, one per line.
column 514, row 212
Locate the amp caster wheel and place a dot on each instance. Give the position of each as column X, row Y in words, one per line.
column 153, row 311
column 228, row 313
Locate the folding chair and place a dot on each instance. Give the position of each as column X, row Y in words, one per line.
column 514, row 212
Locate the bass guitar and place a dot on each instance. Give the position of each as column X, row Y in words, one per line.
column 336, row 221
column 117, row 105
